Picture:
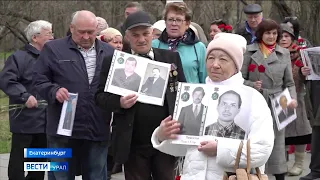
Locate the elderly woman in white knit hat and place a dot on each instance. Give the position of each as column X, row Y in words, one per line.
column 113, row 37
column 215, row 155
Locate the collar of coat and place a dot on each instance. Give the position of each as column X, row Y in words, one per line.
column 255, row 47
column 97, row 44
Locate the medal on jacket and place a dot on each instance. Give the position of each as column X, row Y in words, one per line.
column 176, row 86
column 171, row 87
column 175, row 73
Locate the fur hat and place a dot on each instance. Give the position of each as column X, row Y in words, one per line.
column 233, row 44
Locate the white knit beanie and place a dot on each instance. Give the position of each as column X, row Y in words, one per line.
column 160, row 25
column 233, row 44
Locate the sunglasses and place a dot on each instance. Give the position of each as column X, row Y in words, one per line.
column 291, row 17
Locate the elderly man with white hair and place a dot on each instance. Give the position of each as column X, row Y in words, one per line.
column 72, row 65
column 28, row 124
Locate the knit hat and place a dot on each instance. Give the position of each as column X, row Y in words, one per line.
column 233, row 44
column 160, row 25
column 109, row 33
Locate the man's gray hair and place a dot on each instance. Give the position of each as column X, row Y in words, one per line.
column 35, row 27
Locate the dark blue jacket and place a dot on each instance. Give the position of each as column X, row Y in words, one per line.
column 16, row 82
column 61, row 64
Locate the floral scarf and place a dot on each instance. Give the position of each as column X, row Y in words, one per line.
column 266, row 49
column 173, row 43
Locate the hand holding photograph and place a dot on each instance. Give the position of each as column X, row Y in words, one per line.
column 131, row 74
column 67, row 115
column 204, row 110
column 311, row 58
column 283, row 114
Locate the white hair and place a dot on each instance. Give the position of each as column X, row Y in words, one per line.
column 102, row 23
column 74, row 17
column 35, row 27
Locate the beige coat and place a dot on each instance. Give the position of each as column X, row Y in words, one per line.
column 277, row 77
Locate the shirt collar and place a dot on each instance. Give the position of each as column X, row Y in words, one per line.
column 226, row 128
column 85, row 50
column 150, row 53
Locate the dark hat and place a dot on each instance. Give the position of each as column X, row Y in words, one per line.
column 287, row 28
column 252, row 9
column 139, row 18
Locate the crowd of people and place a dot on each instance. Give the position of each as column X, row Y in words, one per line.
column 112, row 131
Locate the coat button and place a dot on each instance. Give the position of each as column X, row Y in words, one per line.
column 130, row 125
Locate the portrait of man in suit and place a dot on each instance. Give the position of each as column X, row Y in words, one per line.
column 126, row 77
column 154, row 85
column 229, row 105
column 285, row 111
column 190, row 116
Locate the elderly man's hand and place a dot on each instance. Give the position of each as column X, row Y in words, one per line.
column 128, row 101
column 62, row 94
column 31, row 102
column 208, row 147
column 168, row 129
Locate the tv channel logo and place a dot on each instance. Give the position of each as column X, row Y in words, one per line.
column 45, row 166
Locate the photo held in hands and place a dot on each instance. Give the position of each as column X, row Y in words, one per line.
column 137, row 79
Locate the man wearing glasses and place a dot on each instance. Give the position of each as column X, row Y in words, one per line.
column 254, row 18
column 27, row 124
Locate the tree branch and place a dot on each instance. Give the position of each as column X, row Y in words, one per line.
column 17, row 15
column 13, row 30
column 243, row 2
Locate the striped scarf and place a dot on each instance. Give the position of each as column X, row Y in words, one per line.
column 266, row 49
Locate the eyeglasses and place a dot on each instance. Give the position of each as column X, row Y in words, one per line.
column 47, row 34
column 291, row 17
column 178, row 21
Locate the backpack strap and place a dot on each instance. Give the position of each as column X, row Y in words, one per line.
column 236, row 164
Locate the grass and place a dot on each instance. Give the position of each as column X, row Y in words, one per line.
column 5, row 134
column 5, row 55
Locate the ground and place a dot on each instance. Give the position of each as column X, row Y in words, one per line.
column 4, row 163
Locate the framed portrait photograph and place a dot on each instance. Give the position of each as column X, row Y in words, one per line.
column 68, row 111
column 131, row 74
column 282, row 113
column 206, row 110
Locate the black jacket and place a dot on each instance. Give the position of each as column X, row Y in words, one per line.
column 61, row 64
column 124, row 118
column 244, row 33
column 16, row 82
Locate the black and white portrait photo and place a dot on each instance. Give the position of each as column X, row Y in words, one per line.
column 132, row 74
column 126, row 77
column 190, row 116
column 229, row 105
column 154, row 82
